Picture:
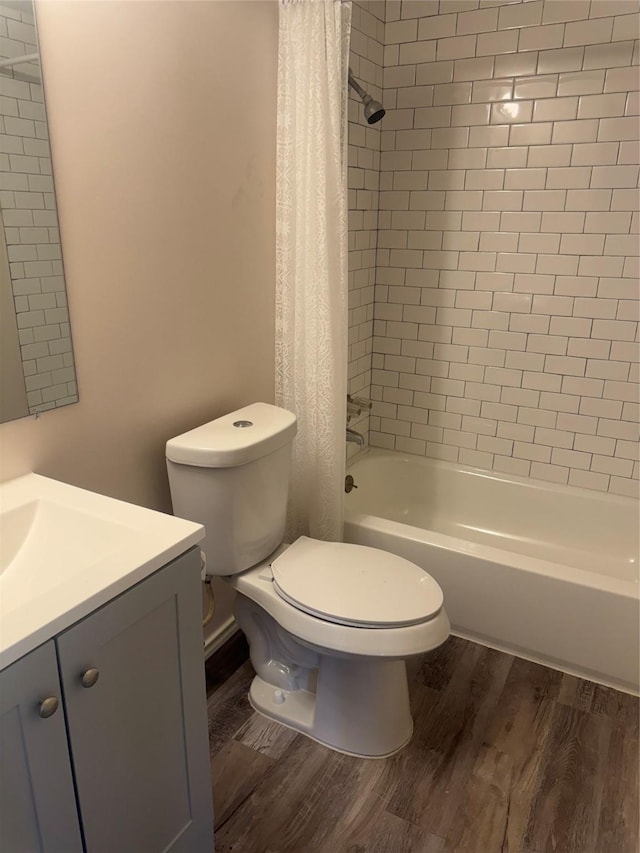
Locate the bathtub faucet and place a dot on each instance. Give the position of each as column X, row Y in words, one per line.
column 354, row 436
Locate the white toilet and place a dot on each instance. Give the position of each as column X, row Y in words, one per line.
column 329, row 625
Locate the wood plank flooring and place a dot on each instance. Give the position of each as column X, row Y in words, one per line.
column 507, row 757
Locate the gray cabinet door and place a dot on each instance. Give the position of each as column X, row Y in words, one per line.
column 37, row 802
column 139, row 735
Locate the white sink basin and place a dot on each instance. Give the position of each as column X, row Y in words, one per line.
column 65, row 551
column 46, row 543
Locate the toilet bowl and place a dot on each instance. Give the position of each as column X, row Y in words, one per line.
column 338, row 674
column 329, row 624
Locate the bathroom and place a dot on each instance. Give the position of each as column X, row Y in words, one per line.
column 163, row 117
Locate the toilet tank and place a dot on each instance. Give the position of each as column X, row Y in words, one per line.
column 232, row 476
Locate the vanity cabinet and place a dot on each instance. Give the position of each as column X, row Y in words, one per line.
column 132, row 677
column 37, row 801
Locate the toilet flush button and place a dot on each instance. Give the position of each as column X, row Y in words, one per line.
column 278, row 697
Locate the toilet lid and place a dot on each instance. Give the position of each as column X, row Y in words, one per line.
column 355, row 585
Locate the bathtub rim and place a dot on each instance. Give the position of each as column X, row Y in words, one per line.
column 510, row 559
column 499, row 476
column 622, row 586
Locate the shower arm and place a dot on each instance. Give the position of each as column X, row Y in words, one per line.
column 373, row 110
column 357, row 87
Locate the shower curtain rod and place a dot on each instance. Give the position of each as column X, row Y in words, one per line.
column 18, row 60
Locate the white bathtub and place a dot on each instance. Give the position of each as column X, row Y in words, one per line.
column 546, row 572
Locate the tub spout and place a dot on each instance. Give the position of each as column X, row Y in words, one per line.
column 353, row 435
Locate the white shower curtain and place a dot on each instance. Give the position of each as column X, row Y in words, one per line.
column 311, row 256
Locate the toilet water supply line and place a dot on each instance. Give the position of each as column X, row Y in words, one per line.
column 207, row 581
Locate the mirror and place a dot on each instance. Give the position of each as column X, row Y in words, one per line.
column 37, row 370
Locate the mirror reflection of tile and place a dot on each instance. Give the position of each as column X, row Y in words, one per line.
column 30, row 220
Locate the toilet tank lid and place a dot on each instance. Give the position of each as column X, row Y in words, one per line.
column 234, row 439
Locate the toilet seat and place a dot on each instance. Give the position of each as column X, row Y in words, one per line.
column 384, row 641
column 354, row 585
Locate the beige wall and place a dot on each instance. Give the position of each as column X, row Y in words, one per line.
column 162, row 118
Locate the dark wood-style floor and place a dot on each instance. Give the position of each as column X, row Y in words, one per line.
column 507, row 757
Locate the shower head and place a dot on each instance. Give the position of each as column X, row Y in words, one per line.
column 373, row 110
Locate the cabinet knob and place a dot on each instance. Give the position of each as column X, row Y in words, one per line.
column 48, row 707
column 90, row 677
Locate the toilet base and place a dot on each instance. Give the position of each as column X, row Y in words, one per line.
column 360, row 706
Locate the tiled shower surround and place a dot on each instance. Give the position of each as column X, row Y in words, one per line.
column 366, row 55
column 506, row 300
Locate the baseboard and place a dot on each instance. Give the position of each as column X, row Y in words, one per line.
column 217, row 640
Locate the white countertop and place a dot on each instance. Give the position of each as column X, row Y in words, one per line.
column 65, row 551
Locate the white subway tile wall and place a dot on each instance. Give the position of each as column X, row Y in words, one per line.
column 30, row 222
column 365, row 60
column 505, row 330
